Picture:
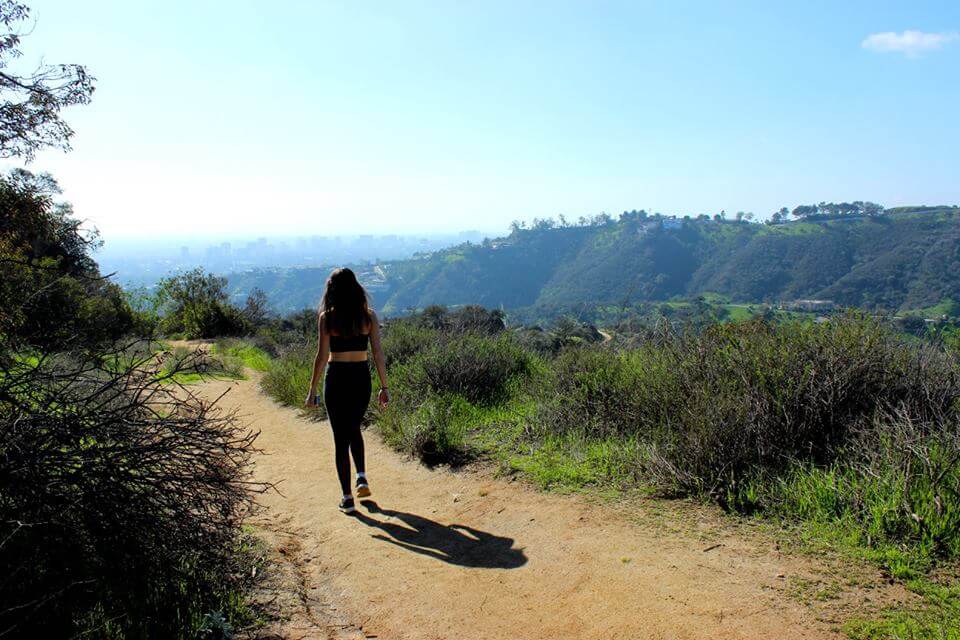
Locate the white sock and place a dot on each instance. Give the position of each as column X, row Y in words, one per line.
column 361, row 476
column 347, row 496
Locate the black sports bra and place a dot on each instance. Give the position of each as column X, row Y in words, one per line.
column 353, row 343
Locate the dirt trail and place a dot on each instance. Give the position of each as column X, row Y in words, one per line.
column 464, row 555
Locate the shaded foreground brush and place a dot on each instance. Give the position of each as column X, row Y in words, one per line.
column 122, row 496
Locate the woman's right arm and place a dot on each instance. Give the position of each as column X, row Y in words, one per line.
column 383, row 396
column 323, row 352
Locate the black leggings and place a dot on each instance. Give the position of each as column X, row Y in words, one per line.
column 346, row 394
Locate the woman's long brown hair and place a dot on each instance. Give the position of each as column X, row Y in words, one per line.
column 344, row 305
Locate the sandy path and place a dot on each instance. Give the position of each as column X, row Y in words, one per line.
column 463, row 555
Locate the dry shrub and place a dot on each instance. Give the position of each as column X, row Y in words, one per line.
column 121, row 496
column 716, row 406
column 475, row 366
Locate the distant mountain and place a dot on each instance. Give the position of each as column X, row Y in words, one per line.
column 906, row 258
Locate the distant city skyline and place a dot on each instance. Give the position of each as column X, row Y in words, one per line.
column 142, row 261
column 250, row 119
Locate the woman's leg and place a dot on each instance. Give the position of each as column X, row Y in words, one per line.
column 356, row 447
column 360, row 392
column 333, row 399
column 341, row 453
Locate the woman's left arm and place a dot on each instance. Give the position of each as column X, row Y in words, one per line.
column 383, row 396
column 319, row 362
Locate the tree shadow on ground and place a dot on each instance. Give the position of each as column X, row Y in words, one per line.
column 455, row 544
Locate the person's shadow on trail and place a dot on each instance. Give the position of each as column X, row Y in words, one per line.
column 456, row 544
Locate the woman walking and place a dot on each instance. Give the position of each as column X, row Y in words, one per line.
column 346, row 327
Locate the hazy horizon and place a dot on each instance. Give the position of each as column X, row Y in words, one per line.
column 192, row 240
column 242, row 120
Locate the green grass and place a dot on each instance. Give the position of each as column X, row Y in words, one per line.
column 573, row 463
column 30, row 360
column 446, row 427
column 205, row 367
column 860, row 515
column 935, row 617
column 946, row 307
column 435, row 431
column 226, row 365
column 287, row 379
column 226, row 360
column 906, row 526
column 242, row 351
column 739, row 312
column 715, row 298
column 793, row 228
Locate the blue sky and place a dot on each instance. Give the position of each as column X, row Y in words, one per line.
column 240, row 118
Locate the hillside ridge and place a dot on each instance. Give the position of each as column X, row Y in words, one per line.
column 907, row 258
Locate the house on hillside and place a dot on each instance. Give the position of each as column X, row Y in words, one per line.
column 810, row 306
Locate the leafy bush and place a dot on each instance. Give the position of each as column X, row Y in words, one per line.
column 288, row 378
column 195, row 304
column 122, row 497
column 601, row 393
column 474, row 366
column 434, row 431
column 564, row 334
column 717, row 406
column 442, row 383
column 289, row 332
column 402, row 340
column 841, row 425
column 214, row 321
column 758, row 397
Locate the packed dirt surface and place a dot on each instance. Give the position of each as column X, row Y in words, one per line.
column 439, row 554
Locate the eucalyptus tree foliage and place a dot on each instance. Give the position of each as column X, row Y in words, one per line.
column 31, row 99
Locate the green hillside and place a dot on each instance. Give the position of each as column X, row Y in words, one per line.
column 908, row 258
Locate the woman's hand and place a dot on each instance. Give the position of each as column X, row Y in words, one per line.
column 311, row 401
column 383, row 397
